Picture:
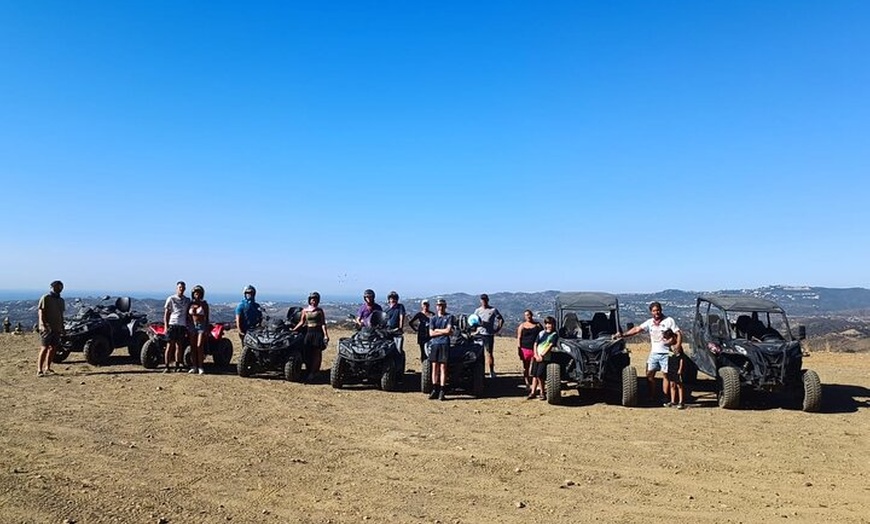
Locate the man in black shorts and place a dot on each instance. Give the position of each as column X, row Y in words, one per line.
column 175, row 317
column 49, row 312
column 440, row 329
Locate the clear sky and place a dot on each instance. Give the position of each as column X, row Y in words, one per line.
column 434, row 147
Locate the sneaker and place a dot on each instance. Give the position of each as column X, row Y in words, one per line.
column 441, row 395
column 200, row 371
column 40, row 373
column 492, row 374
column 668, row 405
column 681, row 406
column 192, row 371
column 167, row 369
column 434, row 394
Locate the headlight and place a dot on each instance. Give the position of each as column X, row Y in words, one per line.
column 740, row 349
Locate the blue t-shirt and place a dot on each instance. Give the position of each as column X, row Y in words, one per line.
column 437, row 322
column 249, row 314
column 394, row 313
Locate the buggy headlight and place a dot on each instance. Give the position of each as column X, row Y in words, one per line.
column 740, row 349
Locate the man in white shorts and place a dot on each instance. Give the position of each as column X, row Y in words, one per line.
column 658, row 355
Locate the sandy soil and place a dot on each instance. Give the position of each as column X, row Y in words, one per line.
column 123, row 444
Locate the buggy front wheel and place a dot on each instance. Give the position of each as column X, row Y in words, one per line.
column 812, row 391
column 629, row 386
column 554, row 383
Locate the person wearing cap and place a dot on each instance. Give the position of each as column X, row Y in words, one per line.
column 316, row 335
column 396, row 322
column 49, row 312
column 491, row 323
column 440, row 329
column 369, row 306
column 420, row 324
column 199, row 316
column 176, row 318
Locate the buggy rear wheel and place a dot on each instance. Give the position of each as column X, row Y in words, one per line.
column 224, row 353
column 554, row 383
column 97, row 350
column 812, row 391
column 629, row 386
column 728, row 392
column 336, row 374
column 134, row 348
column 151, row 354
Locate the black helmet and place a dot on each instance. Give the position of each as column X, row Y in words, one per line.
column 314, row 294
column 378, row 319
column 249, row 289
column 393, row 294
column 198, row 289
column 369, row 293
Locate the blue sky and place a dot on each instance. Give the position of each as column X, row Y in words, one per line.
column 434, row 147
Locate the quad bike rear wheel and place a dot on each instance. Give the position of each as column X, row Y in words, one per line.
column 729, row 388
column 224, row 353
column 97, row 350
column 478, row 380
column 151, row 354
column 812, row 391
column 245, row 365
column 554, row 383
column 293, row 369
column 336, row 374
column 629, row 386
column 60, row 354
column 134, row 348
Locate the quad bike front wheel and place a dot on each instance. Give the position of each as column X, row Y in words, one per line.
column 389, row 380
column 97, row 350
column 553, row 384
column 812, row 391
column 293, row 369
column 336, row 374
column 729, row 388
column 245, row 365
column 151, row 354
column 629, row 386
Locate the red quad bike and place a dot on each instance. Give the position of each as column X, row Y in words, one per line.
column 216, row 345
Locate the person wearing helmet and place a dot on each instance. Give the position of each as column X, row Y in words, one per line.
column 176, row 318
column 369, row 306
column 396, row 322
column 199, row 315
column 316, row 335
column 248, row 314
column 491, row 323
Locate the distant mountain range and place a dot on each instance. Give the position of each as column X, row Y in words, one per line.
column 822, row 310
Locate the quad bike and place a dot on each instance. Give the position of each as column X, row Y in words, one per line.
column 216, row 345
column 465, row 362
column 369, row 356
column 274, row 346
column 97, row 330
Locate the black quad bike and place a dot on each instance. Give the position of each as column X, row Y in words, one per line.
column 274, row 346
column 96, row 330
column 466, row 364
column 216, row 344
column 369, row 356
column 586, row 356
column 745, row 342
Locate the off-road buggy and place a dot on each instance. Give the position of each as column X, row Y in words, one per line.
column 96, row 330
column 274, row 346
column 586, row 356
column 216, row 345
column 746, row 342
column 466, row 365
column 369, row 356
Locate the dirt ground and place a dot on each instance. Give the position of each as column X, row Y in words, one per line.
column 123, row 444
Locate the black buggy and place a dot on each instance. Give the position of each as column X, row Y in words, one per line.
column 369, row 356
column 274, row 346
column 466, row 365
column 745, row 342
column 96, row 330
column 586, row 356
